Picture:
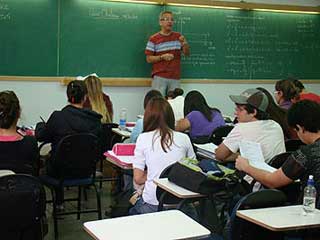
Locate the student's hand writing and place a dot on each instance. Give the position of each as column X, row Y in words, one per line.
column 167, row 56
column 242, row 163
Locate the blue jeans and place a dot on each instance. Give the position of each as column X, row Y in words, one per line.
column 164, row 85
column 141, row 207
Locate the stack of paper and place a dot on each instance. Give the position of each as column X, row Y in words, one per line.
column 206, row 150
column 122, row 160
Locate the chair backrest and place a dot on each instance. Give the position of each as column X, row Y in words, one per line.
column 293, row 144
column 76, row 156
column 109, row 138
column 279, row 159
column 219, row 133
column 241, row 229
column 23, row 206
column 169, row 198
column 293, row 191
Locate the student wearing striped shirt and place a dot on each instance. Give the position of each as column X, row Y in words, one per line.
column 163, row 51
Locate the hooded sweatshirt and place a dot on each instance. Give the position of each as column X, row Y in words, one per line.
column 69, row 120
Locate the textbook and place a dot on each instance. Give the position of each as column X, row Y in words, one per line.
column 121, row 160
column 206, row 150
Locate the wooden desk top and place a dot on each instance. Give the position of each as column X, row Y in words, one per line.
column 176, row 190
column 281, row 218
column 165, row 225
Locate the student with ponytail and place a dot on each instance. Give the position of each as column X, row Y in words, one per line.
column 72, row 119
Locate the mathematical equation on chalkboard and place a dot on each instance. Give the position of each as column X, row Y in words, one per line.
column 5, row 14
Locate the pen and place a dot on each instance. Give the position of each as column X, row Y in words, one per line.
column 42, row 119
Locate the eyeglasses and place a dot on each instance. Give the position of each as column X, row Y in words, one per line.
column 167, row 19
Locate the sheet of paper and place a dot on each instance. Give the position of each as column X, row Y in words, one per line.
column 252, row 151
column 210, row 147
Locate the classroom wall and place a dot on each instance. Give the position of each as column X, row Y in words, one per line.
column 41, row 98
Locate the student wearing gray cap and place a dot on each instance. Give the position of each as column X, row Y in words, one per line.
column 253, row 125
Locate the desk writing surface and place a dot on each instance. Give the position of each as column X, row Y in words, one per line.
column 165, row 225
column 281, row 218
column 176, row 190
column 122, row 133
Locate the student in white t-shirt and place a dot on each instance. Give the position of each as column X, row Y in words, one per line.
column 177, row 104
column 253, row 126
column 156, row 148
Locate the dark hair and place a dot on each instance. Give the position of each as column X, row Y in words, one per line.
column 305, row 113
column 76, row 90
column 170, row 94
column 298, row 84
column 288, row 89
column 159, row 115
column 178, row 92
column 260, row 115
column 195, row 101
column 149, row 95
column 277, row 113
column 9, row 109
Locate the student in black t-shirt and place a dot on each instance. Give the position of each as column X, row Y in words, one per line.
column 17, row 153
column 304, row 117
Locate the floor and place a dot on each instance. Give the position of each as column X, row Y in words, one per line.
column 69, row 228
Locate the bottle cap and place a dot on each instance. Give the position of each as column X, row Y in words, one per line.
column 310, row 180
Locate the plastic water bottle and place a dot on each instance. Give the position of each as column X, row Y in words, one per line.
column 309, row 197
column 123, row 119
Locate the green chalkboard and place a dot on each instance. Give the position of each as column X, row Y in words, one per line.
column 240, row 44
column 106, row 37
column 28, row 37
column 76, row 37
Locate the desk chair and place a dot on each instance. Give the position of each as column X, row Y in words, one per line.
column 240, row 229
column 75, row 161
column 219, row 133
column 109, row 138
column 23, row 208
column 293, row 144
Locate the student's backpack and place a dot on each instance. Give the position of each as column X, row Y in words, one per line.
column 205, row 177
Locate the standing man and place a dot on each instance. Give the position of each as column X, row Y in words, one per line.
column 164, row 52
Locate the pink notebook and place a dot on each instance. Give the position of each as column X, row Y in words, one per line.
column 124, row 149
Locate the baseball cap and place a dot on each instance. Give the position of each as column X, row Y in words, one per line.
column 253, row 97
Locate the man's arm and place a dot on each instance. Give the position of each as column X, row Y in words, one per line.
column 185, row 46
column 272, row 180
column 223, row 153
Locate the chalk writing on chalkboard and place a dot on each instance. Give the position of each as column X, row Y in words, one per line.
column 110, row 14
column 5, row 14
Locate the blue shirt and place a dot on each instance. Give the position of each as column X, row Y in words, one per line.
column 138, row 128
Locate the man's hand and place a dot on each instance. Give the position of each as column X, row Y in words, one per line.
column 242, row 163
column 167, row 56
column 183, row 40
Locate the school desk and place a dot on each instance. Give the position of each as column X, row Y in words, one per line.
column 281, row 218
column 165, row 225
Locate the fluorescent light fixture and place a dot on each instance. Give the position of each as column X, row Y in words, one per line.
column 201, row 6
column 284, row 11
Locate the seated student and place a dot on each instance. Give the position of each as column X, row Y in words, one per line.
column 19, row 154
column 200, row 119
column 97, row 100
column 157, row 147
column 304, row 117
column 177, row 103
column 278, row 114
column 138, row 128
column 253, row 125
column 303, row 93
column 285, row 93
column 72, row 119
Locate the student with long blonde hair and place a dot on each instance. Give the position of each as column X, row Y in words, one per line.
column 97, row 100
